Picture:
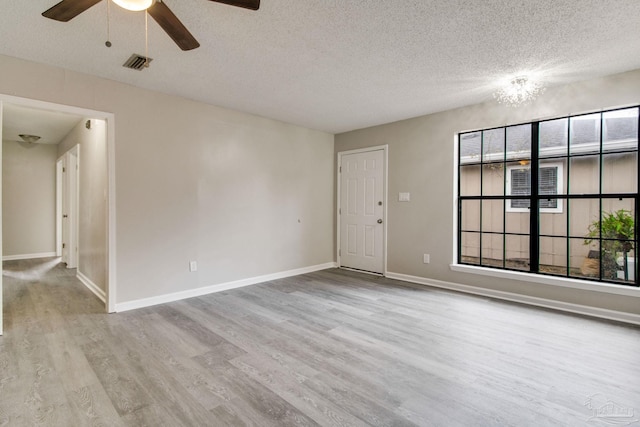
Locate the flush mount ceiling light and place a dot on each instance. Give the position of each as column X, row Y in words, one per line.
column 134, row 5
column 519, row 91
column 29, row 139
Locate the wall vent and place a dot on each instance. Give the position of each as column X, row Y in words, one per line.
column 137, row 62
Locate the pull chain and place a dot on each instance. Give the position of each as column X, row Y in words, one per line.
column 146, row 39
column 108, row 42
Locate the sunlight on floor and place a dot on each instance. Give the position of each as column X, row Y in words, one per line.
column 37, row 269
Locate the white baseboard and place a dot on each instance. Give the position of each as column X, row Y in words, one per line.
column 177, row 296
column 92, row 286
column 508, row 296
column 29, row 256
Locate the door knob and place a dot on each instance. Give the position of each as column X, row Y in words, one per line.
column 379, row 221
column 64, row 216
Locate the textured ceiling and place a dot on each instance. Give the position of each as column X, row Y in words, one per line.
column 339, row 65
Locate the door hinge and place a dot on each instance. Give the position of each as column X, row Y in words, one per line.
column 64, row 169
column 340, row 169
column 339, row 211
column 64, row 245
column 339, row 252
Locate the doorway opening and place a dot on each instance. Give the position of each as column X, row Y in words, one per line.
column 77, row 198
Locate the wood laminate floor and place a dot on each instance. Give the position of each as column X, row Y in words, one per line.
column 331, row 348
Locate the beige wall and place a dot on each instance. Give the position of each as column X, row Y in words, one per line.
column 28, row 198
column 421, row 161
column 242, row 195
column 92, row 203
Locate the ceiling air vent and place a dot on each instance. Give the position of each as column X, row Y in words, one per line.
column 137, row 62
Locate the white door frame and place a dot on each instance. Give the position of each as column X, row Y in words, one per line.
column 111, row 181
column 385, row 198
column 59, row 189
column 1, row 314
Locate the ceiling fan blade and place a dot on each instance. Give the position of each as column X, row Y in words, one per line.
column 68, row 9
column 172, row 26
column 247, row 4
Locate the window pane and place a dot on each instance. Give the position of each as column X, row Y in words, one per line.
column 520, row 179
column 518, row 183
column 519, row 142
column 620, row 173
column 553, row 136
column 470, row 180
column 470, row 216
column 553, row 255
column 470, row 248
column 470, row 144
column 613, row 205
column 548, row 180
column 493, row 145
column 553, row 224
column 517, row 252
column 582, row 213
column 616, row 230
column 584, row 134
column 626, row 273
column 620, row 130
column 585, row 258
column 550, row 183
column 492, row 250
column 584, row 175
column 493, row 179
column 492, row 215
column 517, row 222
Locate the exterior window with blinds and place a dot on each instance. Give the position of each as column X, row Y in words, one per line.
column 549, row 181
column 556, row 197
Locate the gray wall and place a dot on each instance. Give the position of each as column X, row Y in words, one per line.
column 92, row 203
column 421, row 161
column 28, row 199
column 243, row 195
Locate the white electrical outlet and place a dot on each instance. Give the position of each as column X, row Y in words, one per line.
column 426, row 258
column 193, row 266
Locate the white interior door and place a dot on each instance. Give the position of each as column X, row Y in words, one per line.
column 73, row 207
column 361, row 210
column 69, row 224
column 64, row 216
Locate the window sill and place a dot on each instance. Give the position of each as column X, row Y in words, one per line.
column 549, row 280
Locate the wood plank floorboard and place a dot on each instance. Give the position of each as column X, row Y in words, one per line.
column 330, row 348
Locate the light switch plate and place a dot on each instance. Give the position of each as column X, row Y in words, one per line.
column 404, row 197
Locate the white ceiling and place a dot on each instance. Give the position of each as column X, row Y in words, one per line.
column 50, row 126
column 339, row 65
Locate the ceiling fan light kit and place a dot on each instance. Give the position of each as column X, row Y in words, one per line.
column 68, row 9
column 134, row 5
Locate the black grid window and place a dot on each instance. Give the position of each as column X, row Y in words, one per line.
column 578, row 220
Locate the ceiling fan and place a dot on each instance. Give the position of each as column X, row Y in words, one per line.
column 159, row 11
